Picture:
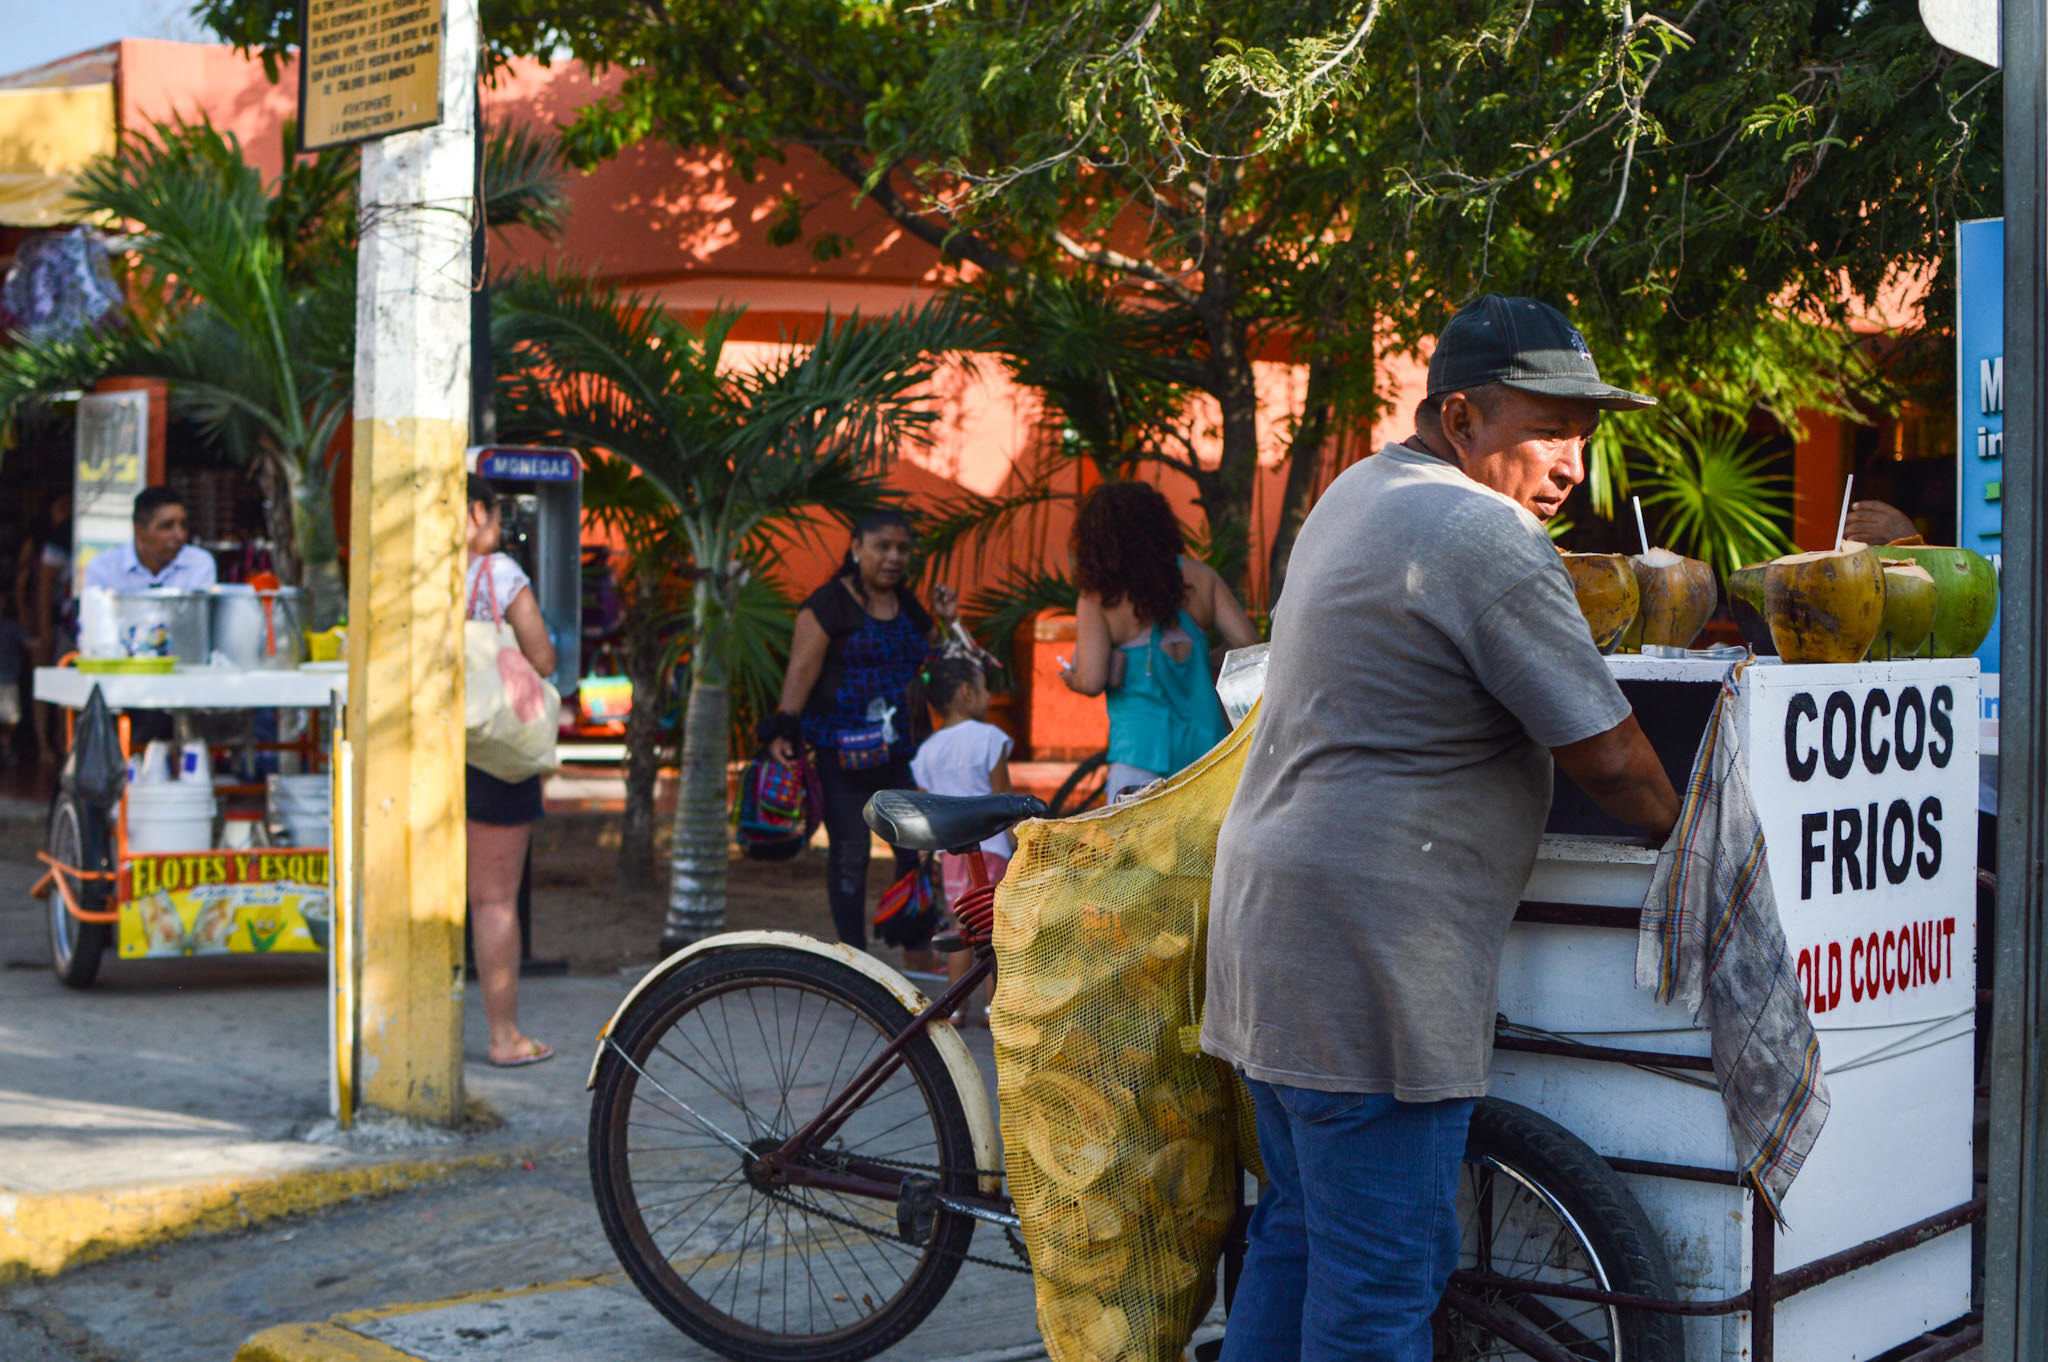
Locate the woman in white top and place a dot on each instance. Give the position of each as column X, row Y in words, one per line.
column 501, row 813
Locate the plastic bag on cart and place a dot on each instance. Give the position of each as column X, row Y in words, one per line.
column 1120, row 1136
column 95, row 772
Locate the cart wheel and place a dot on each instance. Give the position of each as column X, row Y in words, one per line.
column 78, row 837
column 1535, row 1204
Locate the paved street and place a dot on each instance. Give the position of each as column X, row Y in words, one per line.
column 199, row 1073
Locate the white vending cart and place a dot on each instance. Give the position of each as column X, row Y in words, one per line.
column 1865, row 780
column 215, row 900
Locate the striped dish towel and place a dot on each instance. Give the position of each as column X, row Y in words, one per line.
column 1711, row 941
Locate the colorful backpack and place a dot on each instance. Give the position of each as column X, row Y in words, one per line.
column 909, row 909
column 780, row 807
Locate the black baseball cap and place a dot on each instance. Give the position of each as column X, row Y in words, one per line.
column 1521, row 343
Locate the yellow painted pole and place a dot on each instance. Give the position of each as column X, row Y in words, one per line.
column 412, row 394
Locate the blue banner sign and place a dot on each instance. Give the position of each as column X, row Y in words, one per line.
column 528, row 463
column 1980, row 417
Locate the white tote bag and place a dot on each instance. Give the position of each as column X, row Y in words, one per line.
column 511, row 710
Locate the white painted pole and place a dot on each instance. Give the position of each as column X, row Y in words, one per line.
column 412, row 400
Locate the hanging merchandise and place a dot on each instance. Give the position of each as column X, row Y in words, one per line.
column 1120, row 1136
column 910, row 907
column 779, row 808
column 59, row 286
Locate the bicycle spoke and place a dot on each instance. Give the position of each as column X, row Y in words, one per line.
column 793, row 1262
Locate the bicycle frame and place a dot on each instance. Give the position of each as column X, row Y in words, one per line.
column 886, row 1184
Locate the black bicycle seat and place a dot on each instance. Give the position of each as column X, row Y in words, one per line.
column 917, row 821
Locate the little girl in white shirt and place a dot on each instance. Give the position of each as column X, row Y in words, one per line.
column 967, row 755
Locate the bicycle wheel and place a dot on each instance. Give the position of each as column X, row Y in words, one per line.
column 1084, row 787
column 78, row 837
column 1536, row 1204
column 724, row 1061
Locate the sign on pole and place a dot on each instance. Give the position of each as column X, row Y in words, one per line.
column 110, row 465
column 1966, row 26
column 1980, row 419
column 368, row 68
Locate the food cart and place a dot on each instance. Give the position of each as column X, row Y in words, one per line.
column 1864, row 777
column 219, row 900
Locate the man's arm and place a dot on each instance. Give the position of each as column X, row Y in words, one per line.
column 1619, row 770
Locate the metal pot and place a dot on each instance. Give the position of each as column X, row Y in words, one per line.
column 260, row 630
column 162, row 622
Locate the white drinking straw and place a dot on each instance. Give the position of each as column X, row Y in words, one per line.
column 1842, row 525
column 1641, row 533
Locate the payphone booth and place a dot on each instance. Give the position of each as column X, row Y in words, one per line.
column 542, row 491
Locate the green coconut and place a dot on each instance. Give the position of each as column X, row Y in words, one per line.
column 1910, row 601
column 1606, row 590
column 1632, row 637
column 1967, row 589
column 1677, row 596
column 1824, row 606
column 1746, row 604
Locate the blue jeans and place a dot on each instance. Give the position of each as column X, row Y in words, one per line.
column 1357, row 1231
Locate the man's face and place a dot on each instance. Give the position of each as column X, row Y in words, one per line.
column 1531, row 448
column 158, row 539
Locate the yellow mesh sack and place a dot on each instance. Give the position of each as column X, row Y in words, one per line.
column 1120, row 1136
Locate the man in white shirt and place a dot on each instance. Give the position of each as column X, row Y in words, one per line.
column 162, row 554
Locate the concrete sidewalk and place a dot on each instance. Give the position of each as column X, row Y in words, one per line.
column 190, row 1096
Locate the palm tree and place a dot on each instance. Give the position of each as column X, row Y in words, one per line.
column 746, row 458
column 245, row 303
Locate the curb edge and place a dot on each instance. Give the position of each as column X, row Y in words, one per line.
column 317, row 1343
column 45, row 1234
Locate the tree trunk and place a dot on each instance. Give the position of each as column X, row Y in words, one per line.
column 276, row 482
column 1226, row 495
column 1304, row 464
column 319, row 551
column 697, row 860
column 643, row 733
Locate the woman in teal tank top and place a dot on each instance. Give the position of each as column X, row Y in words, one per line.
column 1145, row 613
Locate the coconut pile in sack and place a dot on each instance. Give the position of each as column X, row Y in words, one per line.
column 1120, row 1136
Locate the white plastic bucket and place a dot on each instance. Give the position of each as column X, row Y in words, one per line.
column 175, row 815
column 304, row 806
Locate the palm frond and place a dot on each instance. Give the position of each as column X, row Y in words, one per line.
column 598, row 367
column 763, row 620
column 1712, row 493
column 1096, row 362
column 32, row 372
column 856, row 390
column 969, row 522
column 313, row 211
column 202, row 211
column 523, row 180
column 999, row 610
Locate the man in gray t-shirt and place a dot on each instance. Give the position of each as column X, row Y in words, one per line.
column 1428, row 663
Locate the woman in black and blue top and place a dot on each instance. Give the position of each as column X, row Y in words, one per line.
column 860, row 639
